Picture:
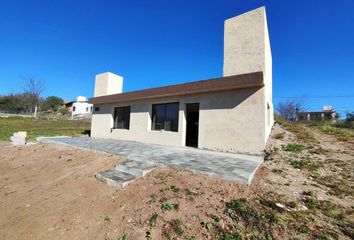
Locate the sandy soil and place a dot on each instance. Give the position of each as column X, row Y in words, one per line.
column 49, row 191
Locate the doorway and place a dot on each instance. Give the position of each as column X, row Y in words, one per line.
column 192, row 117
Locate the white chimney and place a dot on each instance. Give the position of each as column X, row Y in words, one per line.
column 81, row 99
column 327, row 108
column 108, row 83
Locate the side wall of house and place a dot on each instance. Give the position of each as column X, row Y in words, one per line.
column 229, row 121
column 247, row 49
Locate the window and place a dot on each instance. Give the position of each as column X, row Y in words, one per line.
column 87, row 109
column 121, row 117
column 97, row 109
column 74, row 109
column 165, row 117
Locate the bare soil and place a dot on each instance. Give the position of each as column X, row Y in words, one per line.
column 49, row 191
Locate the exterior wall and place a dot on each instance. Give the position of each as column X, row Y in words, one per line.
column 226, row 121
column 247, row 49
column 80, row 108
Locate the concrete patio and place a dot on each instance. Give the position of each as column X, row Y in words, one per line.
column 142, row 158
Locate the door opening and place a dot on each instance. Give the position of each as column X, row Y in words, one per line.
column 192, row 116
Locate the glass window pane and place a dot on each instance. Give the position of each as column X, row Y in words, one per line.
column 171, row 121
column 122, row 117
column 165, row 116
column 158, row 116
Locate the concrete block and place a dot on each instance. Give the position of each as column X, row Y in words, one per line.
column 19, row 138
column 114, row 178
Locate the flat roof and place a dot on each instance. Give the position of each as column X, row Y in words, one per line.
column 248, row 80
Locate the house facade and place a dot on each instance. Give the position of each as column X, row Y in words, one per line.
column 80, row 107
column 233, row 113
column 327, row 114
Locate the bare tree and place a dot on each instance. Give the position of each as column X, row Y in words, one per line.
column 290, row 108
column 33, row 89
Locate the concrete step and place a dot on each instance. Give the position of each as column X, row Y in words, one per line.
column 136, row 168
column 115, row 178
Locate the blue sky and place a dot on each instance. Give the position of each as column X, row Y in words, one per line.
column 158, row 42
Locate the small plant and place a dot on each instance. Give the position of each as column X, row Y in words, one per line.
column 278, row 219
column 168, row 206
column 239, row 204
column 125, row 237
column 207, row 225
column 305, row 162
column 175, row 188
column 293, row 147
column 153, row 198
column 149, row 235
column 216, row 218
column 153, row 219
column 311, row 202
column 279, row 136
column 177, row 226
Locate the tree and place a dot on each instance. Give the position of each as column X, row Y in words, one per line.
column 349, row 117
column 52, row 103
column 14, row 103
column 289, row 109
column 33, row 89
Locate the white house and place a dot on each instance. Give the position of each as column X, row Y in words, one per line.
column 232, row 113
column 81, row 107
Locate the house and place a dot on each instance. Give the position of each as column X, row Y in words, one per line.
column 232, row 113
column 80, row 107
column 327, row 114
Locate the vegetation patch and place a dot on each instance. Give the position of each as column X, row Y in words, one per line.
column 166, row 206
column 337, row 187
column 41, row 127
column 279, row 136
column 304, row 163
column 293, row 147
column 153, row 219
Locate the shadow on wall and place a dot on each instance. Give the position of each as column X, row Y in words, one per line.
column 208, row 101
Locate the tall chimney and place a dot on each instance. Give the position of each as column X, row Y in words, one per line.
column 108, row 83
column 246, row 44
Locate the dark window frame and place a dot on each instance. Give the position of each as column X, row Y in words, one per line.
column 121, row 117
column 164, row 117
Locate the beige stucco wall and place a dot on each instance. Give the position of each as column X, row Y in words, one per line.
column 247, row 49
column 226, row 121
column 108, row 83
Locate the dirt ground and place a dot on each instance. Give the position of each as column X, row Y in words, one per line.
column 49, row 191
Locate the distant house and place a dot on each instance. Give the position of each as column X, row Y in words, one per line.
column 80, row 107
column 232, row 113
column 327, row 114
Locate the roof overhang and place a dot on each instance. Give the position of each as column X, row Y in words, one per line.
column 249, row 80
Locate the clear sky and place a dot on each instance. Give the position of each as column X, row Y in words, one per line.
column 158, row 42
